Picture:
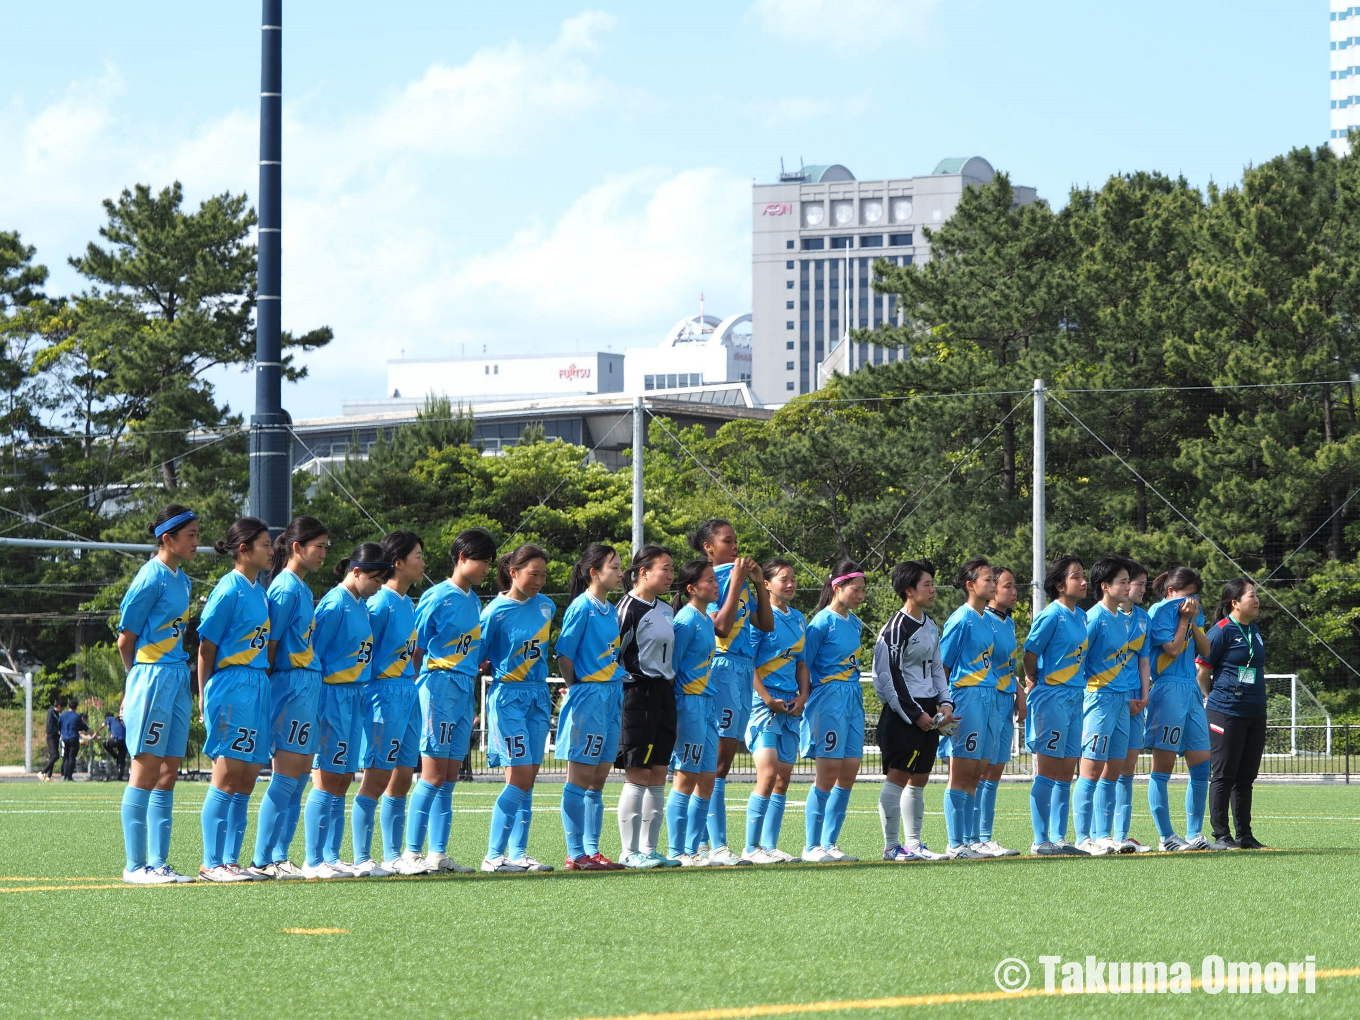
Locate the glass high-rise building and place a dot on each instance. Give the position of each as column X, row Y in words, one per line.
column 1345, row 71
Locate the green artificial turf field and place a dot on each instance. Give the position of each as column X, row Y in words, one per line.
column 792, row 940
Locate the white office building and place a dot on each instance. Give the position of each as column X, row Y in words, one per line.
column 699, row 350
column 504, row 377
column 1345, row 72
column 816, row 235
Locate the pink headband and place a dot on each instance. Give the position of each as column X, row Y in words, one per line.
column 846, row 577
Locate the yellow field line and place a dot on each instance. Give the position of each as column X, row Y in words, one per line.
column 892, row 1002
column 55, row 878
column 316, row 931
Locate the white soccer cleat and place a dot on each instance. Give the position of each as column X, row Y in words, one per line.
column 345, row 866
column 371, row 869
column 241, row 873
column 1045, row 849
column 1094, row 847
column 995, row 849
column 694, row 861
column 898, row 854
column 265, row 874
column 780, row 857
column 724, row 856
column 757, row 856
column 527, row 863
column 1172, row 844
column 435, row 862
column 222, row 873
column 287, row 871
column 638, row 862
column 965, row 852
column 924, row 852
column 1138, row 848
column 165, row 871
column 501, row 865
column 324, row 871
column 840, row 856
column 815, row 855
column 145, row 876
column 412, row 862
column 1197, row 843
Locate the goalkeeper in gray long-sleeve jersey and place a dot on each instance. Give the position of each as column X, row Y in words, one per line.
column 911, row 683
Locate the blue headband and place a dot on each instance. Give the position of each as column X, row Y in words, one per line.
column 176, row 522
column 370, row 565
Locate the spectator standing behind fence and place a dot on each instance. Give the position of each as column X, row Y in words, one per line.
column 1232, row 675
column 53, row 739
column 73, row 724
column 116, row 744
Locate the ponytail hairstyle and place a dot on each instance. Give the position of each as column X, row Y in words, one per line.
column 776, row 564
column 475, row 544
column 1104, row 571
column 906, row 576
column 369, row 553
column 969, row 572
column 1178, row 578
column 703, row 535
column 243, row 532
column 1232, row 592
column 303, row 531
column 398, row 545
column 829, row 588
column 168, row 513
column 594, row 558
column 522, row 556
column 687, row 575
column 1057, row 574
column 643, row 560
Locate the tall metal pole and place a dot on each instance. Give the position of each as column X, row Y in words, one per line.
column 271, row 493
column 639, row 437
column 28, row 722
column 1039, row 563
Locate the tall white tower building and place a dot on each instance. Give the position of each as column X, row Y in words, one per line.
column 1345, row 60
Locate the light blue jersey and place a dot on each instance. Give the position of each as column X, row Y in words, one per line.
column 449, row 631
column 831, row 649
column 291, row 619
column 1164, row 620
column 1058, row 639
column 779, row 651
column 515, row 637
column 1139, row 647
column 236, row 620
column 1107, row 639
column 343, row 638
column 967, row 645
column 743, row 636
column 393, row 619
column 1006, row 665
column 154, row 608
column 695, row 642
column 590, row 640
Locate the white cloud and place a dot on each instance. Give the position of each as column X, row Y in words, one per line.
column 845, row 25
column 799, row 109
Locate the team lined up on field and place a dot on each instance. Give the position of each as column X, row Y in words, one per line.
column 366, row 681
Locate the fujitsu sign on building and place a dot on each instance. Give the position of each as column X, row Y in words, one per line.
column 778, row 209
column 573, row 371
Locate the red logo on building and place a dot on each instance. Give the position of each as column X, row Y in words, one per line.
column 777, row 209
column 572, row 372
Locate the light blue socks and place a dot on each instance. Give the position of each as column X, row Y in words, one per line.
column 134, row 812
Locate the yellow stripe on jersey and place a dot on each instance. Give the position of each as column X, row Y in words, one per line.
column 781, row 660
column 977, row 670
column 303, row 659
column 154, row 652
column 1097, row 680
column 346, row 676
column 743, row 602
column 1164, row 661
column 461, row 647
column 1060, row 676
column 398, row 667
column 700, row 683
column 522, row 670
column 847, row 669
column 610, row 658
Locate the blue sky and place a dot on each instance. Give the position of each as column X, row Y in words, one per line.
column 547, row 176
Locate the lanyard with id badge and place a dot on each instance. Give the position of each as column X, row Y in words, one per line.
column 1246, row 674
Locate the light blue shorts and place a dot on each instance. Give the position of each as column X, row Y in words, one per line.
column 157, row 705
column 1003, row 727
column 975, row 709
column 1105, row 726
column 1053, row 720
column 391, row 725
column 833, row 721
column 1176, row 719
column 779, row 732
column 339, row 719
column 517, row 718
column 588, row 722
column 696, row 734
column 447, row 707
column 236, row 704
column 731, row 683
column 1138, row 730
column 294, row 696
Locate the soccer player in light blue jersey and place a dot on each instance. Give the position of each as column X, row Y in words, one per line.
column 515, row 630
column 695, row 758
column 592, row 708
column 295, row 691
column 1137, row 678
column 1055, row 651
column 157, row 701
column 449, row 639
column 1105, row 707
column 390, row 746
column 741, row 608
column 1176, row 720
column 233, row 660
column 343, row 639
column 832, row 728
column 967, row 645
column 781, row 691
column 1008, row 704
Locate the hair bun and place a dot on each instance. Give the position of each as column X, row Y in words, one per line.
column 222, row 548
